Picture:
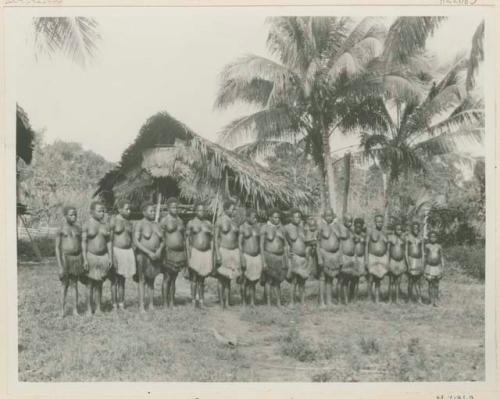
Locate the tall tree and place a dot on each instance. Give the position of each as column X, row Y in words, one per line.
column 320, row 84
column 419, row 129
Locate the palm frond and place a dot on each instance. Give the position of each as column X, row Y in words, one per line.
column 470, row 117
column 274, row 123
column 264, row 148
column 408, row 35
column 76, row 37
column 476, row 56
column 288, row 41
column 254, row 79
column 450, row 141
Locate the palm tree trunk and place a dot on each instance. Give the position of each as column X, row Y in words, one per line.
column 347, row 171
column 388, row 184
column 331, row 200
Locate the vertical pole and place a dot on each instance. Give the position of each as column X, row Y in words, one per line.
column 347, row 172
column 158, row 203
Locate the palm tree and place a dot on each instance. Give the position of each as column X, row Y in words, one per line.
column 435, row 124
column 75, row 37
column 423, row 128
column 320, row 85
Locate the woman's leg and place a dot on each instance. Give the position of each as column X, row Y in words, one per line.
column 65, row 285
column 220, row 286
column 302, row 291
column 278, row 294
column 267, row 291
column 90, row 296
column 252, row 293
column 74, row 282
column 98, row 289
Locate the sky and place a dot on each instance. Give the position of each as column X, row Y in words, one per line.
column 146, row 64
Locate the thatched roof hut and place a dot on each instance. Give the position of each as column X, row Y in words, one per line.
column 24, row 136
column 168, row 159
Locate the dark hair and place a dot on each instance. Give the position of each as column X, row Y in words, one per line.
column 227, row 204
column 415, row 223
column 172, row 200
column 379, row 215
column 250, row 211
column 293, row 211
column 121, row 203
column 146, row 205
column 94, row 204
column 360, row 221
column 273, row 211
column 67, row 208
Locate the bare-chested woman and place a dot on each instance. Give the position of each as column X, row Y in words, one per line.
column 299, row 265
column 414, row 260
column 68, row 245
column 175, row 251
column 149, row 243
column 377, row 257
column 122, row 252
column 350, row 269
column 397, row 262
column 434, row 266
column 359, row 255
column 199, row 246
column 274, row 254
column 329, row 257
column 96, row 248
column 250, row 261
column 227, row 251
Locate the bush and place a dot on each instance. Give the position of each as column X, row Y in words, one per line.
column 369, row 345
column 470, row 259
column 295, row 346
column 45, row 245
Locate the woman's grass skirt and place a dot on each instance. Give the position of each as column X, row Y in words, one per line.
column 415, row 266
column 377, row 265
column 276, row 268
column 201, row 262
column 99, row 266
column 73, row 266
column 332, row 262
column 230, row 263
column 124, row 261
column 147, row 267
column 253, row 269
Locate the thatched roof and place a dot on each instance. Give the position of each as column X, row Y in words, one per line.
column 170, row 156
column 24, row 136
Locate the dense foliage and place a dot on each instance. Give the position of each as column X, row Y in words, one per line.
column 60, row 173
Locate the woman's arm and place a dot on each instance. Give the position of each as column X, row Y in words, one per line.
column 58, row 252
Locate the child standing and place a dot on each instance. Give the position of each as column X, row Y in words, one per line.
column 69, row 255
column 122, row 252
column 433, row 261
column 414, row 260
column 397, row 264
column 96, row 247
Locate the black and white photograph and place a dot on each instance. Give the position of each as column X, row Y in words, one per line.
column 259, row 195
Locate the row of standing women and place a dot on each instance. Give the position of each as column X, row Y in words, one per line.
column 249, row 253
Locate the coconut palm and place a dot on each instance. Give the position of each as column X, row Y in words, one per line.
column 75, row 37
column 319, row 85
column 436, row 124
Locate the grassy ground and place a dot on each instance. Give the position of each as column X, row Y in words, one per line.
column 360, row 342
